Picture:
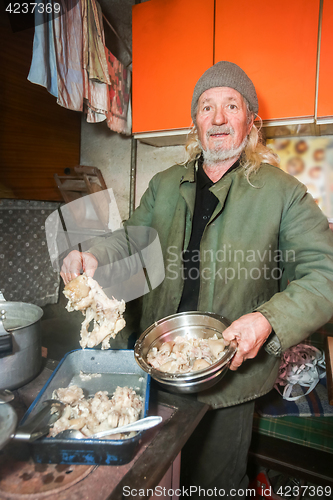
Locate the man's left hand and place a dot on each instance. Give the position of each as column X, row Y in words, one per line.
column 250, row 332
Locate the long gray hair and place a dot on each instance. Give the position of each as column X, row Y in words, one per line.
column 255, row 152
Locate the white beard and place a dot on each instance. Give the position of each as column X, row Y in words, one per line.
column 213, row 156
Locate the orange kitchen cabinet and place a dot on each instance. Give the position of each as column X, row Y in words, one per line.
column 172, row 46
column 276, row 44
column 325, row 83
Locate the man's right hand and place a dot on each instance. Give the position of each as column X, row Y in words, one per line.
column 75, row 262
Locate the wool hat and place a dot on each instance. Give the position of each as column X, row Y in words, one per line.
column 225, row 74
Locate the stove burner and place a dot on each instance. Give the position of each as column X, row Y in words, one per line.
column 28, row 480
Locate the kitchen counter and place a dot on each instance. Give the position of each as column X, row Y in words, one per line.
column 20, row 477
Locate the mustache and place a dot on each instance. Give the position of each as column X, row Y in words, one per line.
column 223, row 129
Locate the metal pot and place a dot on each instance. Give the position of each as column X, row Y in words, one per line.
column 21, row 353
column 193, row 324
column 8, row 421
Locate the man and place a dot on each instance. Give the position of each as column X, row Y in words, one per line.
column 242, row 239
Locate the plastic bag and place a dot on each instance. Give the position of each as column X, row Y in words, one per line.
column 303, row 365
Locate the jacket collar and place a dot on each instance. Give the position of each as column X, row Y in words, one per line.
column 192, row 166
column 220, row 189
column 189, row 175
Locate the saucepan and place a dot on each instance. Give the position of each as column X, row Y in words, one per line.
column 20, row 343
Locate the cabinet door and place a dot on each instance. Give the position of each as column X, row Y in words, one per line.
column 276, row 45
column 325, row 84
column 172, row 47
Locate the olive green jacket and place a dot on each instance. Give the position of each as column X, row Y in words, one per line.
column 267, row 248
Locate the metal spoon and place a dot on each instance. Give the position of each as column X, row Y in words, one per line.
column 139, row 425
column 6, row 396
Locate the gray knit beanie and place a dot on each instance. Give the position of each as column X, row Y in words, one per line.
column 225, row 74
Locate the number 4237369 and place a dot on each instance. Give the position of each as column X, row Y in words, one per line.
column 32, row 7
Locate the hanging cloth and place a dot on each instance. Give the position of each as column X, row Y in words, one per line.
column 95, row 70
column 57, row 54
column 94, row 59
column 70, row 59
column 43, row 68
column 119, row 111
column 68, row 46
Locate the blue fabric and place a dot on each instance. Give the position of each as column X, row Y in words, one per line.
column 43, row 69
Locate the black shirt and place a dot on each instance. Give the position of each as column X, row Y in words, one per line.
column 205, row 204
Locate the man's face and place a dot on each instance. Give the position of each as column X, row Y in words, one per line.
column 222, row 121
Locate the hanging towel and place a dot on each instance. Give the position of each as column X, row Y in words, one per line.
column 94, row 59
column 43, row 69
column 95, row 99
column 95, row 70
column 57, row 54
column 68, row 46
column 119, row 112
